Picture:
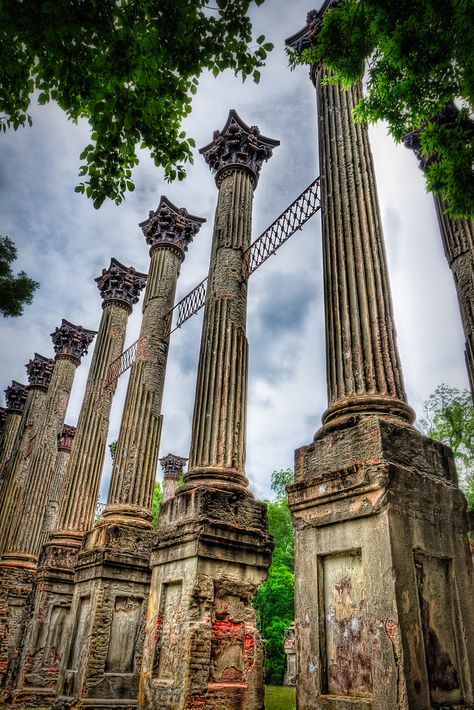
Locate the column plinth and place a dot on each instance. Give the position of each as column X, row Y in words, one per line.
column 380, row 523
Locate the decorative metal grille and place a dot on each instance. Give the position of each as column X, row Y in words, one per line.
column 123, row 362
column 292, row 219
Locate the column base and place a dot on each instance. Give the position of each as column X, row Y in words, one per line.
column 45, row 631
column 384, row 578
column 202, row 648
column 227, row 479
column 103, row 649
column 16, row 587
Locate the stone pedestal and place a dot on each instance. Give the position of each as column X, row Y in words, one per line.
column 202, row 648
column 105, row 635
column 383, row 576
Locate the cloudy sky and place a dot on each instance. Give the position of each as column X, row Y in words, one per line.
column 64, row 243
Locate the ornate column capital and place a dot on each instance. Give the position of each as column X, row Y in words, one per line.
column 172, row 465
column 15, row 397
column 237, row 147
column 120, row 284
column 66, row 438
column 170, row 226
column 306, row 36
column 71, row 341
column 39, row 371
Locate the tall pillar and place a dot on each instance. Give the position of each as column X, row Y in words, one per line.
column 73, row 497
column 202, row 648
column 15, row 397
column 383, row 577
column 112, row 575
column 172, row 466
column 39, row 371
column 3, row 421
column 458, row 243
column 18, row 564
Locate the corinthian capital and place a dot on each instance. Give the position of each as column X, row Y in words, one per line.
column 15, row 396
column 172, row 465
column 237, row 146
column 66, row 438
column 39, row 371
column 170, row 226
column 71, row 341
column 306, row 37
column 120, row 284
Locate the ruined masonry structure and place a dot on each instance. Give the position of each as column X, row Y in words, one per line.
column 78, row 484
column 458, row 243
column 18, row 564
column 39, row 371
column 15, row 397
column 384, row 604
column 172, row 466
column 104, row 645
column 202, row 648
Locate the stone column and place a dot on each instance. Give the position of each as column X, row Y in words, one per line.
column 112, row 576
column 458, row 243
column 58, row 481
column 3, row 421
column 75, row 490
column 18, row 564
column 202, row 648
column 381, row 550
column 39, row 371
column 172, row 466
column 15, row 397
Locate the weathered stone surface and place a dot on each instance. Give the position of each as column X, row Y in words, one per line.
column 386, row 528
column 202, row 648
column 15, row 396
column 120, row 284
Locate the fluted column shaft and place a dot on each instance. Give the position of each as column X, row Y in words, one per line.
column 363, row 366
column 16, row 469
column 136, row 456
column 57, row 487
column 87, row 456
column 25, row 537
column 12, row 426
column 219, row 420
column 458, row 242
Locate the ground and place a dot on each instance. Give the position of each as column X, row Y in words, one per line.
column 279, row 698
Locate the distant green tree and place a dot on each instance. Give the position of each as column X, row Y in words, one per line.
column 15, row 291
column 157, row 498
column 420, row 59
column 130, row 68
column 274, row 601
column 449, row 418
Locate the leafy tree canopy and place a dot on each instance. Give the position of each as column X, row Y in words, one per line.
column 15, row 291
column 420, row 60
column 275, row 599
column 449, row 418
column 130, row 68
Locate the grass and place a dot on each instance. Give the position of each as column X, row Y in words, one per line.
column 279, row 698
